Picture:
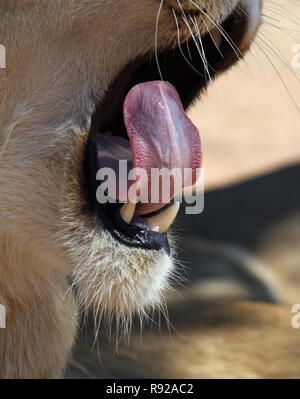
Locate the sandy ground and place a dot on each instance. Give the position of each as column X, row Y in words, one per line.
column 247, row 121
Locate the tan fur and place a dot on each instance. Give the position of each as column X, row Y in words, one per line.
column 59, row 56
column 230, row 339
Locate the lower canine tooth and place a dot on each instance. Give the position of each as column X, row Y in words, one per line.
column 127, row 212
column 164, row 220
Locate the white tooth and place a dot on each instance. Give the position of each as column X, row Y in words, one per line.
column 127, row 212
column 164, row 220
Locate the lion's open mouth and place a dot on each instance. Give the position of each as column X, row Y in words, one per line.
column 142, row 120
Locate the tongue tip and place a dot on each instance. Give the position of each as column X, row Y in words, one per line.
column 154, row 117
column 161, row 134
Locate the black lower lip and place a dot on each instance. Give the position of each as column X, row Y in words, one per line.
column 109, row 116
column 129, row 234
column 109, row 214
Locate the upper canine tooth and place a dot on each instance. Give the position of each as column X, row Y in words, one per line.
column 127, row 211
column 165, row 218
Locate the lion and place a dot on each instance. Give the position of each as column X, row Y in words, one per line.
column 80, row 76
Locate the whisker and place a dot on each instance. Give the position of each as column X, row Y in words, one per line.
column 278, row 55
column 212, row 38
column 277, row 73
column 179, row 45
column 204, row 59
column 221, row 30
column 188, row 49
column 188, row 26
column 282, row 12
column 156, row 38
column 268, row 16
column 283, row 29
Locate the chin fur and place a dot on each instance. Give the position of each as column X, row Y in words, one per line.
column 114, row 280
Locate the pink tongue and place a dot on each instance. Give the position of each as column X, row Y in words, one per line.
column 161, row 136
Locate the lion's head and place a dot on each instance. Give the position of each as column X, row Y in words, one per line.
column 70, row 66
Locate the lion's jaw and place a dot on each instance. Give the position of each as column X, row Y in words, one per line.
column 51, row 87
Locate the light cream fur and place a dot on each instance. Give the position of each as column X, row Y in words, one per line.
column 60, row 56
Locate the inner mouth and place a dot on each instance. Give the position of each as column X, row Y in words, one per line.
column 128, row 124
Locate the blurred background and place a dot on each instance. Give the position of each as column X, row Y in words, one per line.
column 246, row 243
column 250, row 127
column 248, row 122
